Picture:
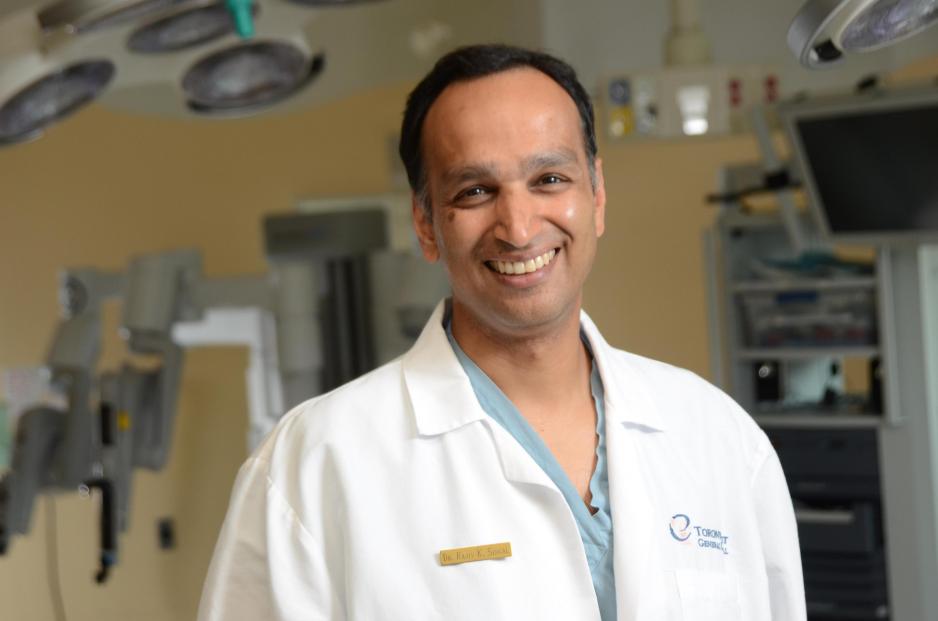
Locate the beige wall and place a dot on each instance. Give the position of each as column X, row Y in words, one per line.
column 105, row 186
column 647, row 288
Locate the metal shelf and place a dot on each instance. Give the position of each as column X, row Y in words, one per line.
column 819, row 421
column 805, row 353
column 803, row 284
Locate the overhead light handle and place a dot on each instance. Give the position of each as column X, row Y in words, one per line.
column 243, row 15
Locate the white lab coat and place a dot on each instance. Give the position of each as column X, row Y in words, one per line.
column 342, row 512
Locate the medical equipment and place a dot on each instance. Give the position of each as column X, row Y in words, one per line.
column 833, row 475
column 868, row 162
column 186, row 58
column 242, row 13
column 35, row 90
column 823, row 31
column 860, row 451
column 307, row 322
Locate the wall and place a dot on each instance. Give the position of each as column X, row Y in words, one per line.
column 647, row 288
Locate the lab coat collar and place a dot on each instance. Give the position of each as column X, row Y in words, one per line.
column 443, row 400
column 440, row 392
column 626, row 390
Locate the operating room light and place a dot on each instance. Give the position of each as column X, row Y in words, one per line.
column 51, row 98
column 181, row 58
column 248, row 75
column 328, row 2
column 92, row 15
column 824, row 30
column 887, row 21
column 184, row 30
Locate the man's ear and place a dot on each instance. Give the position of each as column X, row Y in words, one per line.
column 599, row 198
column 423, row 226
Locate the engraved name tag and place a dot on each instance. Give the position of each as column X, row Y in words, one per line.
column 475, row 553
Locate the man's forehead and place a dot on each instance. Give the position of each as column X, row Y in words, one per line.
column 507, row 109
column 503, row 90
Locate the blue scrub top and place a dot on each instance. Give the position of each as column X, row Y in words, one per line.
column 595, row 529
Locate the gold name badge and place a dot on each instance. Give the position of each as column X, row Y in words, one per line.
column 475, row 553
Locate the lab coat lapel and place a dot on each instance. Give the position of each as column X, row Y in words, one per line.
column 631, row 420
column 441, row 396
column 632, row 522
column 442, row 399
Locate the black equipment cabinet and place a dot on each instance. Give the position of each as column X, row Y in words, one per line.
column 833, row 476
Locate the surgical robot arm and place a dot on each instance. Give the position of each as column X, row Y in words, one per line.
column 53, row 447
column 120, row 420
column 123, row 419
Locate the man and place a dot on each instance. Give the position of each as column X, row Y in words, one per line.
column 512, row 465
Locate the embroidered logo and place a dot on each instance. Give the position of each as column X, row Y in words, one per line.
column 680, row 527
column 682, row 530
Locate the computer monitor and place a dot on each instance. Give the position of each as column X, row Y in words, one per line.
column 869, row 163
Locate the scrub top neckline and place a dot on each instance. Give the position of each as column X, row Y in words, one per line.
column 593, row 526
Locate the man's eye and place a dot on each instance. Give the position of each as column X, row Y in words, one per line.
column 551, row 179
column 473, row 192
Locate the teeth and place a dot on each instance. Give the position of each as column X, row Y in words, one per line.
column 524, row 267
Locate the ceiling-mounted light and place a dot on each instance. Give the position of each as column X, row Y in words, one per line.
column 242, row 78
column 184, row 29
column 319, row 3
column 823, row 30
column 202, row 73
column 83, row 16
column 51, row 98
column 882, row 23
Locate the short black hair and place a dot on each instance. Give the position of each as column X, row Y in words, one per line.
column 477, row 61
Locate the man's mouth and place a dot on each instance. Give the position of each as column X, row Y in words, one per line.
column 523, row 267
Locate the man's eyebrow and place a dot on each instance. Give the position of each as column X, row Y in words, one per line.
column 549, row 159
column 533, row 163
column 472, row 172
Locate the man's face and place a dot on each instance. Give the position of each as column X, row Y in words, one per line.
column 515, row 215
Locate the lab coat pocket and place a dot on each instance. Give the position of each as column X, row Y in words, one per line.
column 708, row 595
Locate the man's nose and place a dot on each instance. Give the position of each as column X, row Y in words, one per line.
column 517, row 216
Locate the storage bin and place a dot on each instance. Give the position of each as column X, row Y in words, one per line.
column 809, row 318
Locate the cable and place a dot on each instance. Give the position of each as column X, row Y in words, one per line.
column 52, row 560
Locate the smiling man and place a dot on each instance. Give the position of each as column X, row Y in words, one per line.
column 512, row 465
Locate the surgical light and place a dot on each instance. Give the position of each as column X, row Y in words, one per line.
column 823, row 30
column 185, row 29
column 180, row 58
column 243, row 77
column 84, row 16
column 52, row 97
column 883, row 22
column 328, row 2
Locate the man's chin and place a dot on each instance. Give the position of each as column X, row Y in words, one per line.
column 519, row 318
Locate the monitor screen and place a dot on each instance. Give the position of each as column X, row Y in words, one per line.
column 874, row 171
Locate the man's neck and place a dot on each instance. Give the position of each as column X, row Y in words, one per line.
column 540, row 370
